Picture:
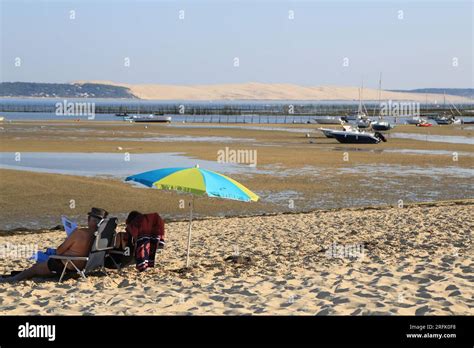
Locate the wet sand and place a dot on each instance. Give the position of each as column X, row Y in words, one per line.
column 299, row 173
column 414, row 261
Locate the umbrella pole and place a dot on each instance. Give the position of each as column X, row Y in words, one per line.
column 191, row 203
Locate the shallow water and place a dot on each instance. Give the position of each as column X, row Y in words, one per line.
column 121, row 165
column 366, row 184
column 186, row 138
column 263, row 128
column 109, row 164
column 453, row 139
column 408, row 151
column 388, row 170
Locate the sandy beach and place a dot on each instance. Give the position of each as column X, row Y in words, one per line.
column 416, row 261
column 345, row 247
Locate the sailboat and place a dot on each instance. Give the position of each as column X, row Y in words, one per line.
column 359, row 116
column 328, row 120
column 447, row 119
column 381, row 125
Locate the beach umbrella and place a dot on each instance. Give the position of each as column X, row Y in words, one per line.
column 196, row 181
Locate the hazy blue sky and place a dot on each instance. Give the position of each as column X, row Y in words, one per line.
column 416, row 51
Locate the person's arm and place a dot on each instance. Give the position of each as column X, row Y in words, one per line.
column 66, row 245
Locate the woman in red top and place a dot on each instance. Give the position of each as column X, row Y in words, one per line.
column 148, row 234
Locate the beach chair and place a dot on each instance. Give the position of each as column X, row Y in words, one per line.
column 103, row 242
column 114, row 254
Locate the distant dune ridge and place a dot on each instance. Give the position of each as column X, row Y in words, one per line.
column 241, row 91
column 274, row 91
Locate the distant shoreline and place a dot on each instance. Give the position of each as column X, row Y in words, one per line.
column 224, row 92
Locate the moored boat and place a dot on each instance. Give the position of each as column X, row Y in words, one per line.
column 328, row 120
column 327, row 132
column 357, row 137
column 381, row 126
column 150, row 118
column 415, row 120
column 425, row 124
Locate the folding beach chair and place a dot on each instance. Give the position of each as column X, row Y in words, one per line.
column 120, row 254
column 115, row 255
column 103, row 242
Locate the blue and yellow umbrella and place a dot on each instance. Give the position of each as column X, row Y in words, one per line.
column 195, row 181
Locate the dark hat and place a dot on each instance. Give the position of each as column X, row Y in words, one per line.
column 98, row 213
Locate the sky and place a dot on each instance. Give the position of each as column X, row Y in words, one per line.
column 414, row 44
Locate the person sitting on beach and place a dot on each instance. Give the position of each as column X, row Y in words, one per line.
column 148, row 234
column 79, row 243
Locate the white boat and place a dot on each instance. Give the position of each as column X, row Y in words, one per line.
column 149, row 118
column 416, row 120
column 363, row 123
column 2, row 118
column 444, row 120
column 328, row 120
column 328, row 131
column 381, row 126
column 359, row 115
column 358, row 137
column 355, row 116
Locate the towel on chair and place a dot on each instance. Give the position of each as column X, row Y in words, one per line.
column 149, row 232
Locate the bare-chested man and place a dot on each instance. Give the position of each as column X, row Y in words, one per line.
column 77, row 244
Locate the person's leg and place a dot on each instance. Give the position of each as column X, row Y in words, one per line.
column 37, row 270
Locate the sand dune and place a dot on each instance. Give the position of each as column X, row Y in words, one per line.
column 417, row 261
column 263, row 91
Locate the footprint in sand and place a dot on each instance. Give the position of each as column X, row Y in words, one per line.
column 455, row 293
column 357, row 311
column 219, row 298
column 423, row 294
column 366, row 295
column 340, row 300
column 325, row 311
column 434, row 277
column 338, row 290
column 41, row 303
column 423, row 310
column 324, row 295
column 206, row 304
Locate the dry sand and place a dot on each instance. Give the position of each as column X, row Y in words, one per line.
column 416, row 261
column 267, row 91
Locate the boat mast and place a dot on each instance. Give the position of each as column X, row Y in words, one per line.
column 380, row 93
column 360, row 102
